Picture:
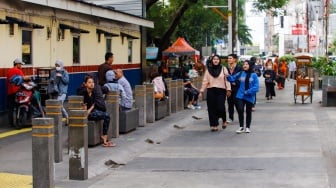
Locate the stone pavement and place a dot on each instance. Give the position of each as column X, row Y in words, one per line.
column 291, row 145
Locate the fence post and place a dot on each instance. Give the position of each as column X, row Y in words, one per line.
column 173, row 95
column 112, row 100
column 168, row 82
column 180, row 95
column 43, row 152
column 54, row 110
column 150, row 103
column 75, row 102
column 140, row 103
column 78, row 145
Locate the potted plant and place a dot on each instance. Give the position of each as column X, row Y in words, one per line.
column 327, row 69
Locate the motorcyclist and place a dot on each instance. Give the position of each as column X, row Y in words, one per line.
column 13, row 88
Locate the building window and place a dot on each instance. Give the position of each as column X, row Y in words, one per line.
column 27, row 46
column 108, row 45
column 76, row 49
column 130, row 51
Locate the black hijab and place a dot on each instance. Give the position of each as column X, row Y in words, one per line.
column 214, row 70
column 248, row 73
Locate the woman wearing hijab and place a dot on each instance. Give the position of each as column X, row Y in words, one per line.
column 218, row 87
column 248, row 87
column 59, row 80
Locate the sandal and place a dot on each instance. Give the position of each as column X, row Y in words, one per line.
column 109, row 144
column 224, row 125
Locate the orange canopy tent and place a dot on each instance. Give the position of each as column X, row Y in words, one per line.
column 181, row 47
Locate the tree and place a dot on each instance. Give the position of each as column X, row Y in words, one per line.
column 269, row 5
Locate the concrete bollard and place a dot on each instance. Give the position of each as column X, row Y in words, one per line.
column 54, row 110
column 78, row 145
column 75, row 102
column 168, row 82
column 180, row 95
column 150, row 105
column 43, row 152
column 140, row 103
column 112, row 100
column 173, row 96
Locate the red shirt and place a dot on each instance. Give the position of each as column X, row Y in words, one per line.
column 11, row 88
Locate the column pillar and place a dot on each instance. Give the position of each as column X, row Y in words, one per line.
column 43, row 152
column 54, row 110
column 112, row 100
column 78, row 145
column 140, row 103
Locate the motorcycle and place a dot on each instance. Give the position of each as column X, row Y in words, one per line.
column 27, row 105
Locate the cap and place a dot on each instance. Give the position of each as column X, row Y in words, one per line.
column 110, row 76
column 18, row 61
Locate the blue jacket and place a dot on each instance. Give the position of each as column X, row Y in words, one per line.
column 62, row 82
column 250, row 94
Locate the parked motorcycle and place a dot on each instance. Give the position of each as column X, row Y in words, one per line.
column 27, row 104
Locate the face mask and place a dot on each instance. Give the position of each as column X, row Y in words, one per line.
column 58, row 68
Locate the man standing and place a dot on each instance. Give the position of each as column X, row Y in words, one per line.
column 127, row 102
column 233, row 68
column 103, row 68
column 12, row 88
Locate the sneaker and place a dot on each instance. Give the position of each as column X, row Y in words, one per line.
column 247, row 130
column 240, row 130
column 190, row 106
column 229, row 120
column 197, row 106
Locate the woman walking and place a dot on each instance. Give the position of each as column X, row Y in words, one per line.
column 218, row 87
column 248, row 87
column 269, row 76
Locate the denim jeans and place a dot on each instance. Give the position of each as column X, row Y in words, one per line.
column 241, row 105
column 96, row 115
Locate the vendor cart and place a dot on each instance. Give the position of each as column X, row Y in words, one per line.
column 304, row 78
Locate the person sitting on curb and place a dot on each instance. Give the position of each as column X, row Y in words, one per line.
column 159, row 86
column 95, row 106
column 191, row 91
column 113, row 85
column 127, row 102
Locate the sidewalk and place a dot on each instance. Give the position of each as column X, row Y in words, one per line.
column 301, row 136
column 291, row 145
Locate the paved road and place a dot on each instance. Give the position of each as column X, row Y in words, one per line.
column 291, row 145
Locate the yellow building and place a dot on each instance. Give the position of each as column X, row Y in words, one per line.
column 79, row 33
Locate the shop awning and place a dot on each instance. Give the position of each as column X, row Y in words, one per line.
column 73, row 29
column 128, row 35
column 106, row 33
column 23, row 23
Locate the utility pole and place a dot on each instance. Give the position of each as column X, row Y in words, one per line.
column 327, row 8
column 230, row 27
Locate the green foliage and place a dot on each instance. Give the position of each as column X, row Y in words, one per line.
column 324, row 66
column 287, row 58
column 197, row 25
column 269, row 5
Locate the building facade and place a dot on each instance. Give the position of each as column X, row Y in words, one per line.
column 77, row 32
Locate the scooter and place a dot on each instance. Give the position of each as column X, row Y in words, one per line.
column 27, row 105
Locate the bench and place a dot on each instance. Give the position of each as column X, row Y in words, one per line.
column 161, row 109
column 94, row 132
column 128, row 120
column 329, row 98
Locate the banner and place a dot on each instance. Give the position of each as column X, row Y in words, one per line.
column 299, row 29
column 152, row 53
